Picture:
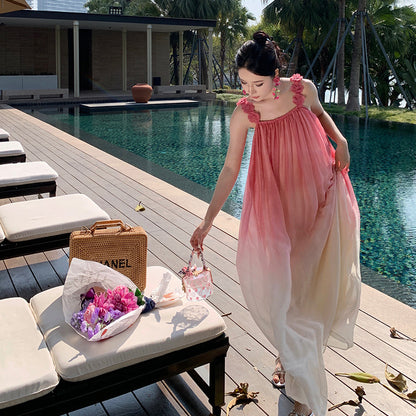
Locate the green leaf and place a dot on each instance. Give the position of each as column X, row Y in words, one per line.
column 361, row 377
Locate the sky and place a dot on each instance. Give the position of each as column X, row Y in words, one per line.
column 256, row 6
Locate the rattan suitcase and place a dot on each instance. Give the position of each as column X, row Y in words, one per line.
column 113, row 244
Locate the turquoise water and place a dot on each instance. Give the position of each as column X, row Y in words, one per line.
column 187, row 147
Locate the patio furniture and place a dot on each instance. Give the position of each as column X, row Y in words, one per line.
column 4, row 135
column 180, row 91
column 161, row 343
column 18, row 179
column 37, row 225
column 35, row 94
column 11, row 152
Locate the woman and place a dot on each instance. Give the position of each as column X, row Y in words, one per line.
column 298, row 250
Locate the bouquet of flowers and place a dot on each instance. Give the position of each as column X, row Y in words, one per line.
column 99, row 308
column 99, row 302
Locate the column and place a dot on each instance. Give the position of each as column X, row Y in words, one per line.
column 124, row 59
column 210, row 32
column 149, row 54
column 181, row 57
column 58, row 54
column 76, row 58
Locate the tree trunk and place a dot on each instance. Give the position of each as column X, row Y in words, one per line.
column 175, row 61
column 293, row 66
column 203, row 67
column 222, row 59
column 341, row 55
column 353, row 103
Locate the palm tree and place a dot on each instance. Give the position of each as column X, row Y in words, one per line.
column 395, row 27
column 296, row 16
column 232, row 22
column 353, row 103
column 341, row 54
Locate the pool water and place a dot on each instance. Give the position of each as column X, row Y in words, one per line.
column 187, row 148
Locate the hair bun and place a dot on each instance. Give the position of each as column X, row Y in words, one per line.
column 261, row 37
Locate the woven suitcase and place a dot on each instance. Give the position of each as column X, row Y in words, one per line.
column 113, row 244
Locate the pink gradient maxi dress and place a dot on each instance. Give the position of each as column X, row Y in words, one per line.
column 298, row 250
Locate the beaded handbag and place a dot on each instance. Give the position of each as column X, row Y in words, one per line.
column 197, row 281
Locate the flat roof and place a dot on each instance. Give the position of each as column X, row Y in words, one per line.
column 38, row 18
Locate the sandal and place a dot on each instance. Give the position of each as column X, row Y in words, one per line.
column 299, row 414
column 280, row 373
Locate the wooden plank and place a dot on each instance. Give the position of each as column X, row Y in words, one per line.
column 7, row 289
column 126, row 405
column 23, row 279
column 157, row 400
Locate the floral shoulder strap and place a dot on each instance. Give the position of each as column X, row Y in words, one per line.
column 297, row 89
column 248, row 107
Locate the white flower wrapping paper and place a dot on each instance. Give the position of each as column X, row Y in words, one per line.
column 84, row 274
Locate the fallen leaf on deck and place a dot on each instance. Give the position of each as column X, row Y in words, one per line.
column 241, row 395
column 395, row 334
column 357, row 403
column 139, row 207
column 362, row 377
column 398, row 382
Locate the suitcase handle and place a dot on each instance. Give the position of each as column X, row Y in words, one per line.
column 100, row 225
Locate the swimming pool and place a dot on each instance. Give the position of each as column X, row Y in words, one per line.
column 187, row 147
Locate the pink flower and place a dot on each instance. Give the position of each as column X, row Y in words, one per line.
column 297, row 89
column 101, row 301
column 91, row 314
column 248, row 108
column 296, row 78
column 123, row 299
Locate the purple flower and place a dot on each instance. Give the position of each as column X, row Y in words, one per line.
column 98, row 311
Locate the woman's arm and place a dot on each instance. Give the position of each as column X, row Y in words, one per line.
column 342, row 155
column 239, row 125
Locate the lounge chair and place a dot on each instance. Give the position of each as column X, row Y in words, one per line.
column 11, row 152
column 4, row 135
column 160, row 344
column 18, row 179
column 37, row 225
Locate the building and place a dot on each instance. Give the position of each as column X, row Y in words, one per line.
column 91, row 51
column 74, row 6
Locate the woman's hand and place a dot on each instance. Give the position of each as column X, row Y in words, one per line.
column 342, row 156
column 199, row 235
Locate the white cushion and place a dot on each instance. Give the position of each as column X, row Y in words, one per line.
column 38, row 218
column 4, row 134
column 154, row 334
column 27, row 370
column 25, row 173
column 2, row 236
column 11, row 149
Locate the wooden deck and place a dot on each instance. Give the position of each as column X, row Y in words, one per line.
column 169, row 219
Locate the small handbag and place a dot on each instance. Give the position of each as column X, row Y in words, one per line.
column 197, row 281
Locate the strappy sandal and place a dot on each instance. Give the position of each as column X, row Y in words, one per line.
column 299, row 414
column 280, row 372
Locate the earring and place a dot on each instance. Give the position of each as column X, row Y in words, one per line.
column 276, row 90
column 244, row 92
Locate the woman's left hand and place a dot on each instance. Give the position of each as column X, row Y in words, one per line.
column 342, row 156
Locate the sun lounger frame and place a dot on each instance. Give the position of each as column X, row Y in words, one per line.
column 10, row 249
column 70, row 396
column 28, row 189
column 13, row 158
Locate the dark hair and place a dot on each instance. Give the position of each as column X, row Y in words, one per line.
column 260, row 55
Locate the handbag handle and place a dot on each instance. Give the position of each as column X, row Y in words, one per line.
column 100, row 225
column 191, row 257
